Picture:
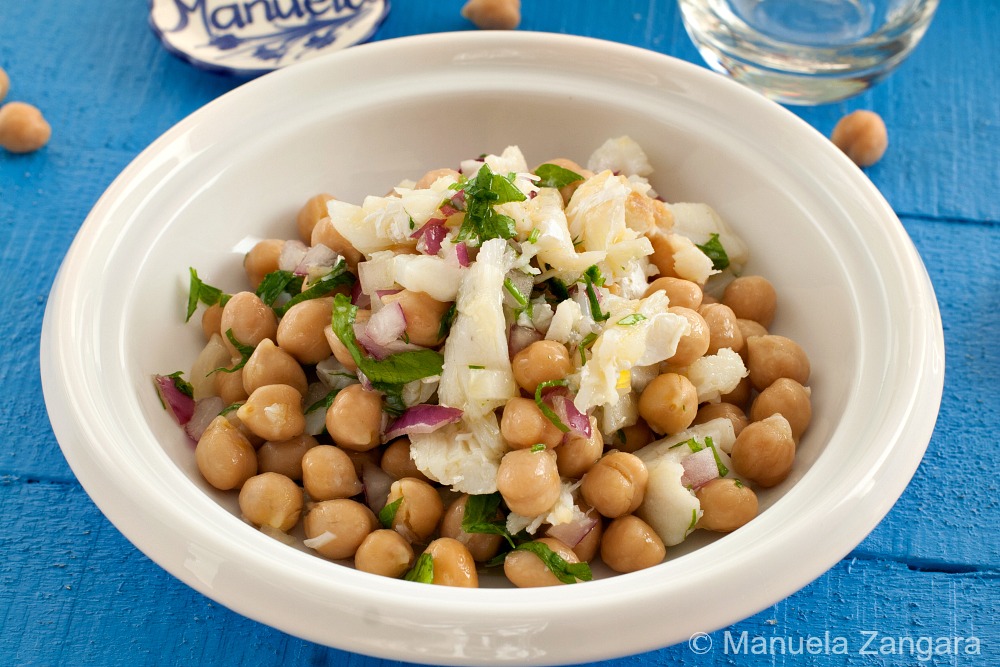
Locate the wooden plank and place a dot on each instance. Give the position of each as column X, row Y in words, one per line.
column 73, row 591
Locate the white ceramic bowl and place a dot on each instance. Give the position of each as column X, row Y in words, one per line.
column 853, row 292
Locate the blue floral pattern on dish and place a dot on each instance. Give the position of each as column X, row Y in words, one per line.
column 253, row 37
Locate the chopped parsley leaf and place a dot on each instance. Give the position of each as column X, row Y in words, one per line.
column 388, row 513
column 546, row 410
column 339, row 276
column 714, row 251
column 554, row 176
column 277, row 283
column 567, row 573
column 201, row 292
column 629, row 320
column 482, row 222
column 244, row 350
column 422, row 571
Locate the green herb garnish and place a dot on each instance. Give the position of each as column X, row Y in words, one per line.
column 480, row 516
column 533, row 236
column 474, row 367
column 482, row 222
column 200, row 292
column 567, row 573
column 554, row 176
column 393, row 371
column 558, row 289
column 537, row 447
column 244, row 350
column 277, row 283
column 388, row 513
column 546, row 410
column 723, row 470
column 694, row 520
column 714, row 251
column 339, row 276
column 323, row 403
column 629, row 320
column 519, row 298
column 593, row 279
column 422, row 571
column 182, row 385
column 232, row 407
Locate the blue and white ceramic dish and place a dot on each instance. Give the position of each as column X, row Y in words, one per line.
column 252, row 38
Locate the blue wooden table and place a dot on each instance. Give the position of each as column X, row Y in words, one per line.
column 74, row 591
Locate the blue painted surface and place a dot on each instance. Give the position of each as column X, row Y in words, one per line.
column 74, row 591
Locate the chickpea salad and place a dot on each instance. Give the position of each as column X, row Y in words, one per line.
column 496, row 367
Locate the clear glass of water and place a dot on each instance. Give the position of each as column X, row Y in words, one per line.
column 806, row 51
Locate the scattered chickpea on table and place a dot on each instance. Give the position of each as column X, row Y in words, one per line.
column 862, row 136
column 23, row 129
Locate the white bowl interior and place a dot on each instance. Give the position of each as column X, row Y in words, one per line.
column 851, row 291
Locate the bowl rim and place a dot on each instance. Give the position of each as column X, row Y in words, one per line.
column 159, row 526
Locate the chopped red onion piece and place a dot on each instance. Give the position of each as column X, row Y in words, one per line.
column 376, row 482
column 424, row 418
column 317, row 258
column 387, row 324
column 521, row 337
column 448, row 210
column 430, row 242
column 359, row 298
column 572, row 533
column 205, row 410
column 462, row 253
column 291, row 255
column 178, row 404
column 567, row 411
column 699, row 468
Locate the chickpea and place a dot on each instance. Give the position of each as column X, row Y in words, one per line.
column 765, row 451
column 229, row 386
column 740, row 397
column 529, row 481
column 616, row 485
column 727, row 504
column 493, row 14
column 250, row 319
column 862, row 136
column 300, row 331
column 354, row 419
column 211, row 321
column 752, row 298
column 271, row 500
column 270, row 364
column 526, row 570
column 523, row 425
column 23, row 129
column 680, row 292
column 482, row 546
column 749, row 328
column 274, row 412
column 328, row 473
column 633, row 438
column 722, row 328
column 694, row 344
column 310, row 214
column 578, row 453
column 663, row 254
column 285, row 456
column 771, row 357
column 587, row 548
column 4, row 84
column 225, row 458
column 733, row 413
column 345, row 522
column 418, row 514
column 325, row 233
column 428, row 179
column 423, row 316
column 397, row 462
column 630, row 544
column 542, row 361
column 384, row 552
column 790, row 399
column 453, row 564
column 262, row 260
column 669, row 403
